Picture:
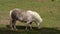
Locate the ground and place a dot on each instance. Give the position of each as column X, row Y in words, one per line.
column 48, row 10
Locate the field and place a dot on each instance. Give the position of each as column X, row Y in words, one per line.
column 49, row 10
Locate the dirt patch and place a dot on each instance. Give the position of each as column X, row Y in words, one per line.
column 40, row 0
column 4, row 22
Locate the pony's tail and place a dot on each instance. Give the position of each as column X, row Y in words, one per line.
column 11, row 12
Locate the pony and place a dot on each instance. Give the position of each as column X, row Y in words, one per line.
column 26, row 16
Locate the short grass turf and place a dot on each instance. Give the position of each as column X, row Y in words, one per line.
column 49, row 11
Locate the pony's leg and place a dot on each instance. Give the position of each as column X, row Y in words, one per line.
column 27, row 25
column 11, row 27
column 38, row 24
column 12, row 24
column 30, row 25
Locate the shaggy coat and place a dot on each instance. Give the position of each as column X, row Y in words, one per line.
column 24, row 16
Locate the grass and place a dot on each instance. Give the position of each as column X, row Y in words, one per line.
column 21, row 30
column 49, row 11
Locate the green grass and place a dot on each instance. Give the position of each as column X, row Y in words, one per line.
column 34, row 31
column 49, row 11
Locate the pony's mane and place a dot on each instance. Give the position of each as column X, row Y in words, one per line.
column 35, row 14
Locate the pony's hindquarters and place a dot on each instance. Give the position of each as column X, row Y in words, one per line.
column 13, row 17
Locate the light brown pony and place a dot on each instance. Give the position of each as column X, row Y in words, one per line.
column 24, row 16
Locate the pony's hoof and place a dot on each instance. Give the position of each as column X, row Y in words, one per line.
column 25, row 29
column 39, row 27
column 16, row 29
column 11, row 29
column 31, row 29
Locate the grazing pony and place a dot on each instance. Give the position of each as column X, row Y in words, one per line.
column 24, row 16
